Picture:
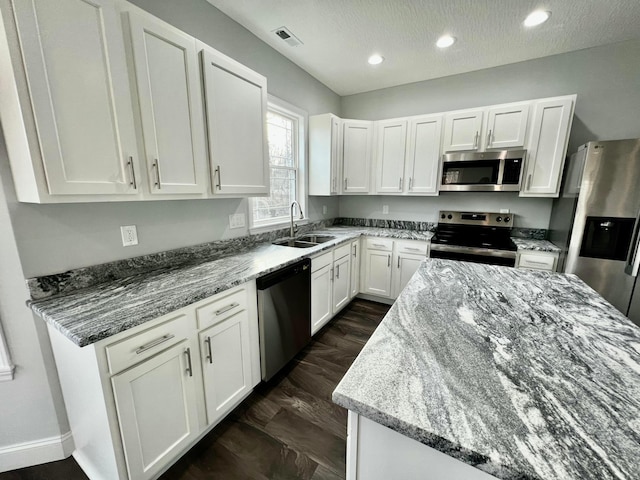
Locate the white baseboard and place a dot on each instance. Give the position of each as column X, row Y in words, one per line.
column 6, row 373
column 45, row 450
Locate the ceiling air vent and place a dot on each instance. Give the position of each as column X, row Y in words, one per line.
column 286, row 35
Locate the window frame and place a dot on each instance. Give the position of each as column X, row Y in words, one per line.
column 300, row 117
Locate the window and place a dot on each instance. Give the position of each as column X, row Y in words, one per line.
column 285, row 137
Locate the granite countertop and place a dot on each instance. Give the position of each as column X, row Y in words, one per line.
column 98, row 312
column 537, row 245
column 522, row 374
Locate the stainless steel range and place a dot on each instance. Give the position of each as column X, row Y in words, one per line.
column 475, row 237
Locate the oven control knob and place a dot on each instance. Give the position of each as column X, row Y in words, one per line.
column 498, row 219
column 507, row 219
column 449, row 216
column 443, row 216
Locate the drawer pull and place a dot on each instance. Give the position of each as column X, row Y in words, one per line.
column 154, row 343
column 536, row 262
column 227, row 308
column 379, row 245
column 209, row 354
column 189, row 369
column 413, row 249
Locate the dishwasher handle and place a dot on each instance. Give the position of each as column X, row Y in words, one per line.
column 285, row 273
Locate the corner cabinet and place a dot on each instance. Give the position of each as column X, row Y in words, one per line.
column 324, row 154
column 153, row 391
column 547, row 147
column 236, row 112
column 66, row 101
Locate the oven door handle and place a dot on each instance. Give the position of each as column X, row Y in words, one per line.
column 633, row 260
column 487, row 252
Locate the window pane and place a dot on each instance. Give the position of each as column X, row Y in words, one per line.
column 280, row 130
column 283, row 192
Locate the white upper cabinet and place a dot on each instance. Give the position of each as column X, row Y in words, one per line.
column 70, row 129
column 391, row 143
column 236, row 109
column 506, row 126
column 170, row 97
column 357, row 144
column 422, row 166
column 462, row 130
column 324, row 154
column 547, row 147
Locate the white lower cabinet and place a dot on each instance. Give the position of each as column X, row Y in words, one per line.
column 355, row 268
column 536, row 260
column 341, row 279
column 140, row 399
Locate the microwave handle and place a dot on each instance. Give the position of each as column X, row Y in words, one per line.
column 633, row 261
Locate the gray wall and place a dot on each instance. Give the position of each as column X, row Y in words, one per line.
column 54, row 238
column 606, row 80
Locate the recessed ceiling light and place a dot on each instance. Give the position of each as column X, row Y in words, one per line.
column 536, row 18
column 375, row 59
column 445, row 41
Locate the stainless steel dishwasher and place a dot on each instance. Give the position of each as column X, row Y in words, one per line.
column 284, row 315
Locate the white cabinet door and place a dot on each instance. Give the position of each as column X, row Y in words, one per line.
column 74, row 56
column 507, row 126
column 324, row 154
column 170, row 98
column 225, row 350
column 356, row 155
column 377, row 277
column 355, row 268
column 462, row 131
column 547, row 147
column 321, row 304
column 236, row 111
column 406, row 265
column 391, row 142
column 423, row 155
column 341, row 282
column 157, row 409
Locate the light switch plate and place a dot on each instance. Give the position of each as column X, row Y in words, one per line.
column 385, row 209
column 129, row 235
column 504, row 210
column 237, row 220
column 324, row 209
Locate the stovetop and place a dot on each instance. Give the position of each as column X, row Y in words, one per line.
column 477, row 230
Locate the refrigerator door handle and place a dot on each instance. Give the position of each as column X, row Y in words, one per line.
column 633, row 261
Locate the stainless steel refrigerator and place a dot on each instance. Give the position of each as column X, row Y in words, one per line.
column 597, row 218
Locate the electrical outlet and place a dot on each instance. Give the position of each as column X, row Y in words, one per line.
column 129, row 235
column 385, row 209
column 237, row 220
column 504, row 210
column 324, row 209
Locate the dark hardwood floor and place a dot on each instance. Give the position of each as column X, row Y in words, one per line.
column 286, row 429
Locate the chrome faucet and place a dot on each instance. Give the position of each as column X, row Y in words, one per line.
column 294, row 203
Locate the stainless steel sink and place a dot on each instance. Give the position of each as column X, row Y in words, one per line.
column 295, row 243
column 317, row 238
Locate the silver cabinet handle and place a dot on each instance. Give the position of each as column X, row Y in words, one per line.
column 398, row 261
column 217, row 173
column 529, row 182
column 331, row 275
column 475, row 140
column 133, row 182
column 345, row 183
column 410, row 181
column 337, row 271
column 209, row 354
column 226, row 309
column 535, row 262
column 355, row 251
column 489, row 138
column 388, row 260
column 156, row 165
column 379, row 245
column 400, row 184
column 334, row 184
column 412, row 249
column 189, row 369
column 153, row 343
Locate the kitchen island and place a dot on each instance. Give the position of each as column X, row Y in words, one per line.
column 520, row 374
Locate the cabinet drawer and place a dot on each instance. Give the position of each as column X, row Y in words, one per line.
column 321, row 261
column 222, row 306
column 342, row 251
column 537, row 261
column 132, row 350
column 383, row 244
column 414, row 248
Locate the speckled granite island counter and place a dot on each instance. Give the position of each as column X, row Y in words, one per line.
column 520, row 374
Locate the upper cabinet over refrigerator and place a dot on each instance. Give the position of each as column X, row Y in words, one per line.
column 236, row 111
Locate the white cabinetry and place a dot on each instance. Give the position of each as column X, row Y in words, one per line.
column 391, row 143
column 507, row 126
column 408, row 257
column 537, row 260
column 153, row 391
column 169, row 90
column 547, row 146
column 66, row 102
column 355, row 268
column 462, row 130
column 341, row 277
column 236, row 110
column 357, row 144
column 376, row 279
column 324, row 154
column 422, row 165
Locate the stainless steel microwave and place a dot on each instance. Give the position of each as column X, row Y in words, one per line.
column 499, row 171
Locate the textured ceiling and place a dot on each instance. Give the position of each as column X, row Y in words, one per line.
column 339, row 35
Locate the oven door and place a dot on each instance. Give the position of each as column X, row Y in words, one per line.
column 487, row 256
